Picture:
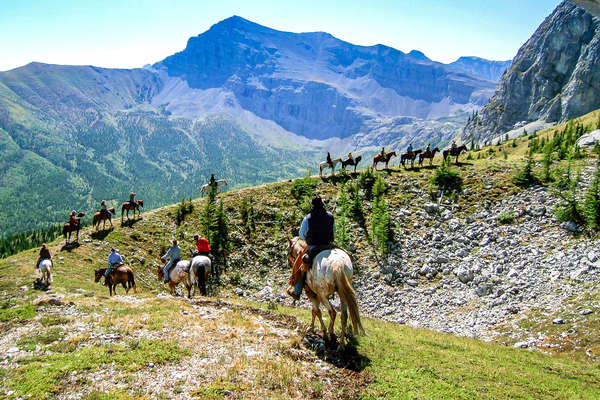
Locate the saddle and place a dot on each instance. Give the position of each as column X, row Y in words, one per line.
column 309, row 256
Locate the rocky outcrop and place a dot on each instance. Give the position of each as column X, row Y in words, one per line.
column 485, row 69
column 554, row 77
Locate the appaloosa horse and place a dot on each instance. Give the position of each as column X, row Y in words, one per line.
column 122, row 274
column 204, row 189
column 100, row 216
column 331, row 272
column 351, row 161
column 177, row 274
column 454, row 152
column 127, row 206
column 325, row 164
column 200, row 273
column 379, row 159
column 410, row 156
column 68, row 228
column 428, row 154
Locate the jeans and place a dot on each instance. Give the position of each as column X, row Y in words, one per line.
column 170, row 264
column 109, row 269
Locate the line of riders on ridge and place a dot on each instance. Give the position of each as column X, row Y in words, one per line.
column 317, row 230
column 384, row 157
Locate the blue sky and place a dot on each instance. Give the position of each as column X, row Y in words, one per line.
column 131, row 33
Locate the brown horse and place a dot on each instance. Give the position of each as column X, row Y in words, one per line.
column 68, row 228
column 428, row 154
column 132, row 207
column 410, row 156
column 454, row 152
column 177, row 274
column 379, row 159
column 351, row 161
column 121, row 274
column 100, row 216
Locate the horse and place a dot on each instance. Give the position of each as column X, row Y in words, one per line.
column 206, row 187
column 100, row 216
column 45, row 265
column 68, row 228
column 121, row 274
column 325, row 164
column 200, row 273
column 411, row 155
column 456, row 152
column 129, row 207
column 379, row 159
column 178, row 274
column 351, row 161
column 331, row 272
column 428, row 154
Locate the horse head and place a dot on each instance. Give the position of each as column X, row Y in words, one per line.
column 160, row 272
column 111, row 210
column 140, row 203
column 80, row 215
column 98, row 274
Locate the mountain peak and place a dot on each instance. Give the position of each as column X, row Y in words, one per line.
column 418, row 55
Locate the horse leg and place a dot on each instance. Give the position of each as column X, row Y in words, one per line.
column 332, row 314
column 344, row 319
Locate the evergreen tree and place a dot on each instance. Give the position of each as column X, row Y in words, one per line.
column 380, row 217
column 591, row 206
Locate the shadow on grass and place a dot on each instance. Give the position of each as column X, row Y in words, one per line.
column 101, row 234
column 70, row 246
column 38, row 284
column 328, row 351
column 131, row 222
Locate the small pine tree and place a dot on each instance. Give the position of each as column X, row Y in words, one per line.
column 546, row 163
column 380, row 217
column 591, row 205
column 525, row 177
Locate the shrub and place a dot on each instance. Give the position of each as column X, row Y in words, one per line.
column 380, row 217
column 366, row 180
column 183, row 208
column 525, row 177
column 303, row 188
column 446, row 179
column 591, row 204
column 506, row 218
column 568, row 209
column 247, row 215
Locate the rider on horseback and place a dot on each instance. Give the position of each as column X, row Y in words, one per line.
column 383, row 153
column 104, row 210
column 453, row 147
column 212, row 182
column 132, row 199
column 44, row 254
column 73, row 220
column 174, row 255
column 410, row 148
column 428, row 149
column 350, row 158
column 317, row 229
column 114, row 261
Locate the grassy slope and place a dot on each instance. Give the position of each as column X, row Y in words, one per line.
column 400, row 362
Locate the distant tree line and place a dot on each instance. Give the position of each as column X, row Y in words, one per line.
column 26, row 240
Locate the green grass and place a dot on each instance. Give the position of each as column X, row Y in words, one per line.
column 29, row 343
column 17, row 314
column 40, row 377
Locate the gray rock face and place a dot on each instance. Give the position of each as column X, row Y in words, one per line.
column 554, row 77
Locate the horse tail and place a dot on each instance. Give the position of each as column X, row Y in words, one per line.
column 201, row 281
column 348, row 296
column 131, row 281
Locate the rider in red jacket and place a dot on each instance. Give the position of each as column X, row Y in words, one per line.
column 202, row 245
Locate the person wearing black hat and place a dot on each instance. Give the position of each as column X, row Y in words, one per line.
column 317, row 229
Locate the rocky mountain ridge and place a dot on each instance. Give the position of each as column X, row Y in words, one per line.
column 554, row 76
